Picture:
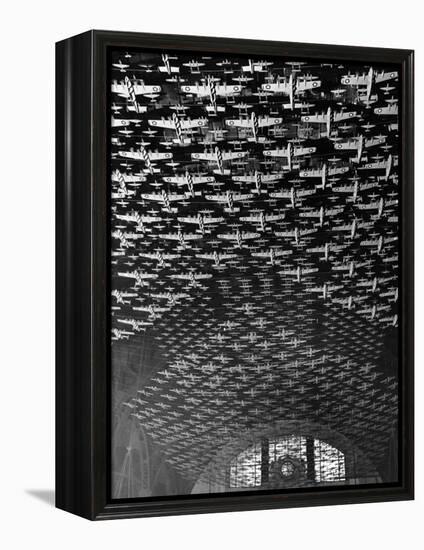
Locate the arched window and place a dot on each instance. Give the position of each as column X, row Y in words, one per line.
column 289, row 460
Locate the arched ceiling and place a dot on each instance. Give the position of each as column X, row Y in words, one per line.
column 254, row 258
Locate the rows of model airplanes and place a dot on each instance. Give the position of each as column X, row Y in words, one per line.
column 176, row 230
column 252, row 257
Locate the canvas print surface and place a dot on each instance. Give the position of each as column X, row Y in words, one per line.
column 254, row 273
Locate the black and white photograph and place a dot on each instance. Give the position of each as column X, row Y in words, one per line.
column 211, row 236
column 254, row 287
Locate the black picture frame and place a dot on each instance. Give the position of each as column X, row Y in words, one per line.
column 82, row 243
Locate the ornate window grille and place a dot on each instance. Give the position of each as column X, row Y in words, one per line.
column 287, row 459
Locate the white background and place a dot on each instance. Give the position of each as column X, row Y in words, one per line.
column 28, row 33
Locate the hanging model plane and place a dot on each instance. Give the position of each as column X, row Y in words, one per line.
column 368, row 79
column 211, row 89
column 219, row 157
column 328, row 118
column 229, row 197
column 291, row 87
column 253, row 123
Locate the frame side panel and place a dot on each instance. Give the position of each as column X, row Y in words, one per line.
column 73, row 276
column 407, row 280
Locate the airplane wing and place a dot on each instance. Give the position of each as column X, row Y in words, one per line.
column 150, row 255
column 160, row 156
column 383, row 77
column 276, row 253
column 176, row 197
column 211, row 157
column 192, row 236
column 229, row 155
column 320, row 118
column 239, row 122
column 247, row 123
column 244, row 178
column 274, row 217
column 316, row 249
column 338, row 170
column 371, row 142
column 344, row 115
column 347, row 227
column 347, row 145
column 264, row 177
column 277, row 153
column 194, row 123
column 257, row 217
column 249, row 235
column 156, row 255
column 388, row 110
column 242, row 196
column 305, row 192
column 222, row 197
column 126, row 217
column 277, row 87
column 136, row 155
column 170, row 236
column 375, row 165
column 334, row 287
column 199, row 90
column 119, row 89
column 253, row 218
column 355, row 80
column 188, row 219
column 344, row 189
column 128, row 274
column 269, row 121
column 181, row 180
column 163, row 69
column 213, row 220
column 123, row 88
column 225, row 90
column 298, row 151
column 152, row 197
column 303, row 85
column 333, row 211
column 162, row 123
column 312, row 214
column 149, row 219
column 142, row 89
column 311, row 173
column 127, row 178
column 368, row 206
column 180, row 276
column 281, row 195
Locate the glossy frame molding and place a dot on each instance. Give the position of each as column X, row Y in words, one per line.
column 82, row 272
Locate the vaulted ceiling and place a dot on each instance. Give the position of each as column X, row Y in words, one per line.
column 254, row 248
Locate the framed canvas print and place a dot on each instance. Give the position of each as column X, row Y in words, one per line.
column 234, row 274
